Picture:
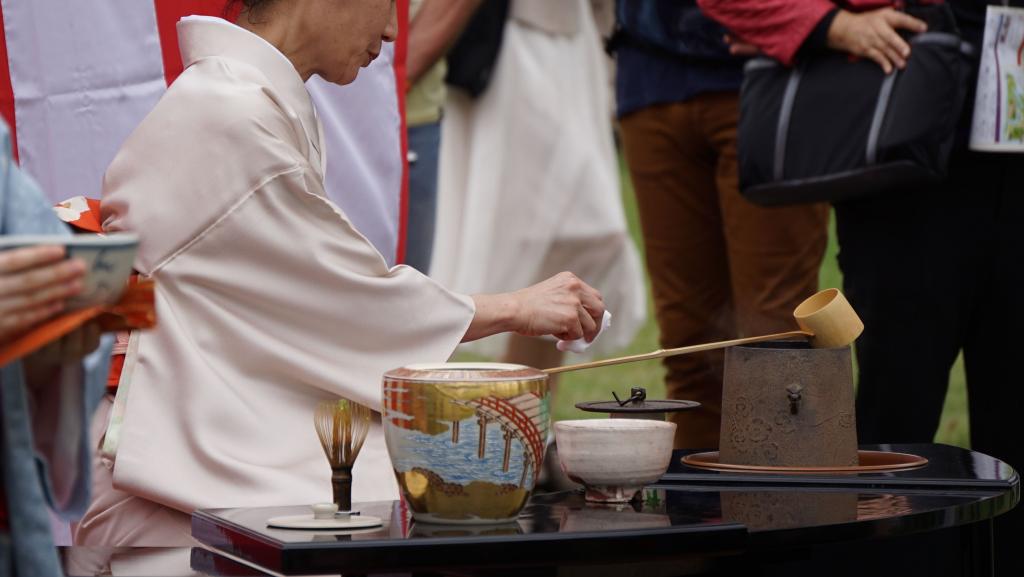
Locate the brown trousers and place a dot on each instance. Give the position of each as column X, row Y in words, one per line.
column 720, row 266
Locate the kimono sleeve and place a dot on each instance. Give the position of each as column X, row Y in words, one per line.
column 285, row 289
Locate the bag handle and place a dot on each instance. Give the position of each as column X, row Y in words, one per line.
column 881, row 107
column 785, row 114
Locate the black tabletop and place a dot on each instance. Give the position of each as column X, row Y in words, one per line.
column 549, row 528
column 561, row 528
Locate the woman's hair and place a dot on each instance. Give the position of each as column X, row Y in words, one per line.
column 251, row 4
column 251, row 7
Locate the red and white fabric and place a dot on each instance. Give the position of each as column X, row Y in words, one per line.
column 77, row 77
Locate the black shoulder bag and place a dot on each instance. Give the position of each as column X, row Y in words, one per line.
column 833, row 129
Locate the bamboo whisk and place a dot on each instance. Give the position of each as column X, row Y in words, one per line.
column 342, row 426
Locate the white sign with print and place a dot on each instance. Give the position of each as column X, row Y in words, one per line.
column 998, row 124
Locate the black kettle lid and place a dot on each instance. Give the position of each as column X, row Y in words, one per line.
column 637, row 402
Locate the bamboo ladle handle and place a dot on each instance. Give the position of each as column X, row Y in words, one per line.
column 662, row 353
column 826, row 318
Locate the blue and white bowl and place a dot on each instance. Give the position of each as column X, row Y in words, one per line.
column 108, row 260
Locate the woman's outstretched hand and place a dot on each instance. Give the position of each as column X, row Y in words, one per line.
column 563, row 306
column 874, row 35
column 34, row 282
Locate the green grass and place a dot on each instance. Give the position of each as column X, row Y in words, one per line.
column 598, row 384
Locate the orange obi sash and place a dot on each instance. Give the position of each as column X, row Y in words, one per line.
column 135, row 310
column 83, row 214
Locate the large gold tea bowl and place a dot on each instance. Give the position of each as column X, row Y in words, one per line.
column 466, row 440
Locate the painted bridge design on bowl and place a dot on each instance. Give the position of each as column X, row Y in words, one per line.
column 520, row 418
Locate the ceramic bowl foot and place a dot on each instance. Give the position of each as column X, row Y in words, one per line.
column 611, row 493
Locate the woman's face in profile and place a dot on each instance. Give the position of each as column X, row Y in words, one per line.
column 351, row 34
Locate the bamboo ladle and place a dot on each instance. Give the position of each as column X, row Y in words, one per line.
column 826, row 318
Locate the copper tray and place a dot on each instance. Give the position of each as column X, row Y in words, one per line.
column 870, row 462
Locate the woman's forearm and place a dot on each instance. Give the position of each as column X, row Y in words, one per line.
column 494, row 314
column 562, row 306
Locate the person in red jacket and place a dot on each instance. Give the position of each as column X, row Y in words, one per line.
column 932, row 271
column 780, row 28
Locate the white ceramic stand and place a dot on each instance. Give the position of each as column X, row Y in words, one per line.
column 325, row 517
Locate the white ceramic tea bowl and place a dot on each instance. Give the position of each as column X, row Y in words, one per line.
column 108, row 262
column 614, row 458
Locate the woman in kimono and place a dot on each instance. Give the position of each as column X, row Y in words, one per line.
column 270, row 300
column 47, row 398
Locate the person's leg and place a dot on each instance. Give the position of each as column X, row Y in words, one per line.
column 673, row 173
column 995, row 391
column 118, row 519
column 424, row 148
column 774, row 253
column 905, row 261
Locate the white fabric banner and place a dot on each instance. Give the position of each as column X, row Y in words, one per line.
column 362, row 129
column 83, row 75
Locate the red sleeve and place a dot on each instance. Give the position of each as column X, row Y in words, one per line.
column 777, row 27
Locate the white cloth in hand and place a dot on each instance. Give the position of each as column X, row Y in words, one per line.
column 580, row 345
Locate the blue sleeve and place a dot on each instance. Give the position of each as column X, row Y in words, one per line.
column 94, row 382
column 24, row 210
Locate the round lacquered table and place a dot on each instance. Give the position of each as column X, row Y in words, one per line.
column 936, row 520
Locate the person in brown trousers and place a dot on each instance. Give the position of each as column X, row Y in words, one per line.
column 720, row 267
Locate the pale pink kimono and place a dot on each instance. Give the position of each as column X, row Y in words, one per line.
column 269, row 302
